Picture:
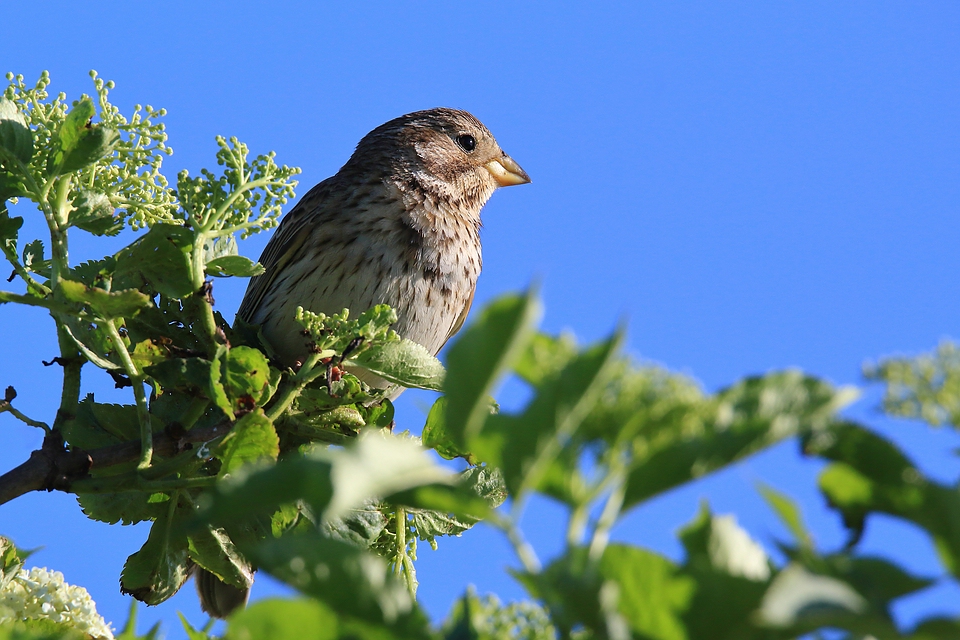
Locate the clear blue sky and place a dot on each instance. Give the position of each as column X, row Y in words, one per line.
column 753, row 185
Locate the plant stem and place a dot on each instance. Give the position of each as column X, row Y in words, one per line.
column 526, row 554
column 6, row 407
column 136, row 378
column 400, row 547
column 611, row 510
column 288, row 392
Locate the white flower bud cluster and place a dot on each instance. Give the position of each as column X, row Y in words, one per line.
column 40, row 594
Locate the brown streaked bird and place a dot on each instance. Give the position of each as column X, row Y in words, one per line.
column 399, row 224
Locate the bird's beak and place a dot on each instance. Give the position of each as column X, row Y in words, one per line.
column 506, row 171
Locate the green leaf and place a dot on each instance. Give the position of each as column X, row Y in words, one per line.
column 652, row 594
column 797, row 593
column 361, row 526
column 194, row 376
column 523, row 446
column 16, row 138
column 9, row 228
column 378, row 465
column 350, row 581
column 403, row 362
column 127, row 507
column 158, row 262
column 632, row 587
column 246, row 374
column 158, row 570
column 82, row 143
column 743, row 419
column 252, row 491
column 97, row 425
column 871, row 474
column 226, row 266
column 106, row 304
column 192, row 634
column 252, row 438
column 75, row 124
column 789, row 514
column 213, row 550
column 481, row 355
column 33, row 258
column 545, row 356
column 435, row 434
column 284, row 618
column 93, row 212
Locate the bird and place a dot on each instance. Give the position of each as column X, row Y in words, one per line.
column 398, row 224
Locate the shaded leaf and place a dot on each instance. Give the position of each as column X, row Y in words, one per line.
column 350, row 581
column 106, row 304
column 161, row 566
column 93, row 212
column 284, row 618
column 252, row 438
column 436, row 437
column 481, row 355
column 872, row 475
column 755, row 413
column 126, row 507
column 159, row 262
column 213, row 550
column 16, row 138
column 522, row 447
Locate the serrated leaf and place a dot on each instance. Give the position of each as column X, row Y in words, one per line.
column 33, row 255
column 97, row 425
column 378, row 465
column 93, row 212
column 74, row 125
column 403, row 362
column 159, row 262
column 213, row 550
column 161, row 566
column 9, row 228
column 192, row 375
column 127, row 507
column 252, row 492
column 252, row 438
column 16, row 138
column 106, row 304
column 227, row 266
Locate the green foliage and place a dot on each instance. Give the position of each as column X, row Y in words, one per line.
column 233, row 468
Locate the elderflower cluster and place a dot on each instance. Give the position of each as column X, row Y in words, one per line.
column 40, row 594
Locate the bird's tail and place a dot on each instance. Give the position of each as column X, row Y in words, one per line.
column 217, row 598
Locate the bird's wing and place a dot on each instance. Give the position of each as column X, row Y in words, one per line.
column 458, row 323
column 293, row 231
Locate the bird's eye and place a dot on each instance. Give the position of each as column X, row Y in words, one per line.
column 466, row 142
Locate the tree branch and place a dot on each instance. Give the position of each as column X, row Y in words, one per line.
column 53, row 467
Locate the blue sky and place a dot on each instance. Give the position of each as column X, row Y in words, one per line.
column 752, row 185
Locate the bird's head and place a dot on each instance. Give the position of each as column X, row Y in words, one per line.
column 448, row 153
